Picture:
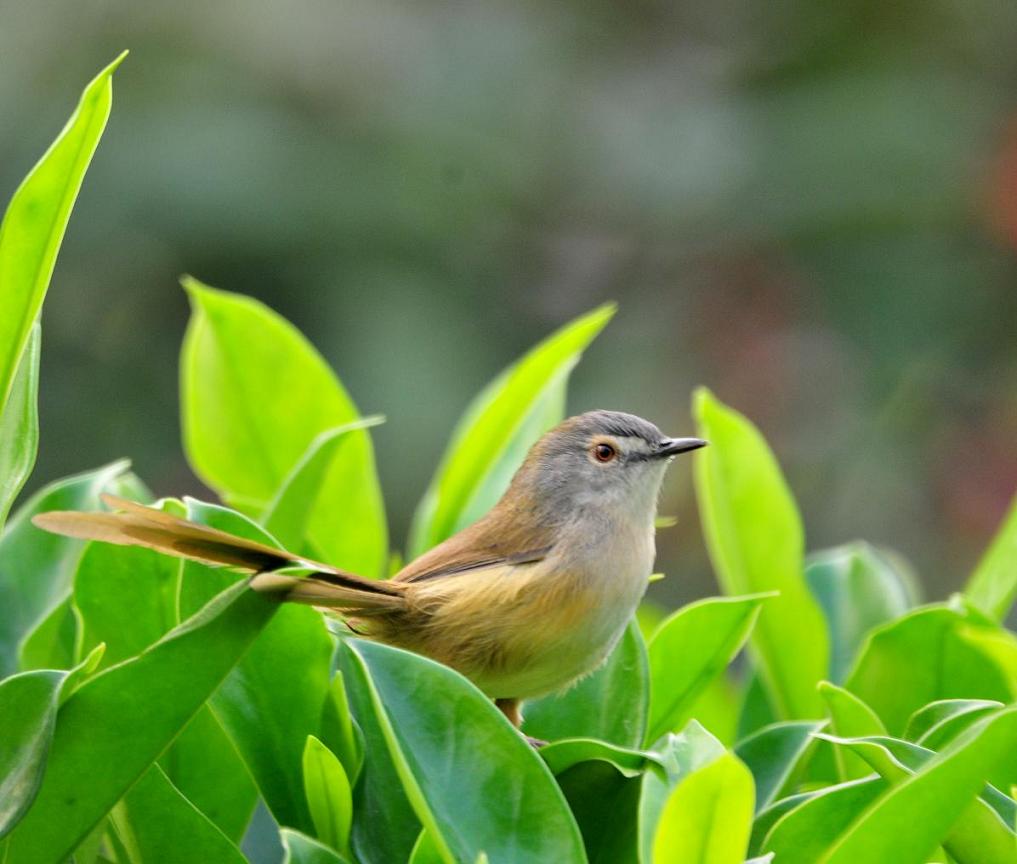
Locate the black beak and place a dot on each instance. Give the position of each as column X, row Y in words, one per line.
column 674, row 446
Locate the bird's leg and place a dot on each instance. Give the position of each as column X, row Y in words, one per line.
column 511, row 709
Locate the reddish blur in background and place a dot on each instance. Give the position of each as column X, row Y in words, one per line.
column 812, row 210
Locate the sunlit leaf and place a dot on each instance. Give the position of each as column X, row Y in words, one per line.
column 993, row 585
column 754, row 535
column 19, row 426
column 850, row 717
column 497, row 428
column 329, row 796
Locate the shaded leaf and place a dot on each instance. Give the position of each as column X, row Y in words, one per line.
column 255, row 394
column 562, row 755
column 301, row 849
column 689, row 650
column 754, row 535
column 850, row 717
column 773, row 755
column 497, row 428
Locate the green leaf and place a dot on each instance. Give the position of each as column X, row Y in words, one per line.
column 155, row 823
column 340, row 732
column 434, row 723
column 754, row 535
column 605, row 804
column 993, row 585
column 19, row 426
column 940, row 792
column 562, row 755
column 939, row 722
column 858, row 588
column 610, row 704
column 34, row 224
column 301, row 849
column 804, row 833
column 288, row 515
column 689, row 650
column 499, row 426
column 920, row 658
column 116, row 724
column 708, row 817
column 682, row 754
column 773, row 755
column 274, row 697
column 255, row 395
column 329, row 796
column 53, row 642
column 37, row 568
column 425, row 851
column 850, row 717
column 769, row 816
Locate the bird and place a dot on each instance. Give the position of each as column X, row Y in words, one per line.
column 524, row 602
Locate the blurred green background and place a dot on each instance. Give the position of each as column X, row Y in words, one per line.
column 811, row 207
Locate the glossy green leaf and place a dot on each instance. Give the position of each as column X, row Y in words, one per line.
column 116, row 724
column 255, row 394
column 301, row 849
column 684, row 753
column 993, row 585
column 562, row 755
column 920, row 658
column 35, row 221
column 940, row 792
column 689, row 650
column 610, row 705
column 773, row 755
column 203, row 764
column 494, row 433
column 37, row 568
column 805, row 833
column 19, row 426
column 329, row 796
column 850, row 717
column 274, row 697
column 287, row 517
column 858, row 588
column 935, row 724
column 158, row 825
column 708, row 817
column 754, row 535
column 435, row 722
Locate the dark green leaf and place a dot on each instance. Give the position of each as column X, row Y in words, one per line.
column 158, row 825
column 434, row 722
column 562, row 755
column 255, row 395
column 754, row 535
column 689, row 650
column 19, row 426
column 497, row 428
column 116, row 725
column 858, row 588
column 610, row 704
column 36, row 219
column 605, row 804
column 773, row 755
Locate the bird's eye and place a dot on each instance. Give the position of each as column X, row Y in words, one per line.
column 604, row 452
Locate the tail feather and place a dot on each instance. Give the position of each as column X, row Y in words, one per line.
column 138, row 525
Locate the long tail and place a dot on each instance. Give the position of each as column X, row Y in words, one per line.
column 137, row 525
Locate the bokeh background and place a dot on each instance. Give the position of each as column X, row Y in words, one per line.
column 810, row 207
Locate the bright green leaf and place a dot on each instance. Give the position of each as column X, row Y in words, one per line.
column 858, row 588
column 689, row 650
column 494, row 433
column 754, row 535
column 116, row 725
column 425, row 851
column 610, row 704
column 773, row 755
column 340, row 732
column 708, row 817
column 19, row 426
column 255, row 394
column 935, row 724
column 33, row 226
column 329, row 796
column 435, row 722
column 993, row 585
column 850, row 717
column 155, row 823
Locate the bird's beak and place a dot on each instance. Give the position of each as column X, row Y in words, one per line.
column 674, row 446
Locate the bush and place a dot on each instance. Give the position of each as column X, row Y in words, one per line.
column 151, row 704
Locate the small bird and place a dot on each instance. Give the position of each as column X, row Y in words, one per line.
column 524, row 602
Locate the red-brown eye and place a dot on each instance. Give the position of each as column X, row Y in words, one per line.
column 604, row 452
